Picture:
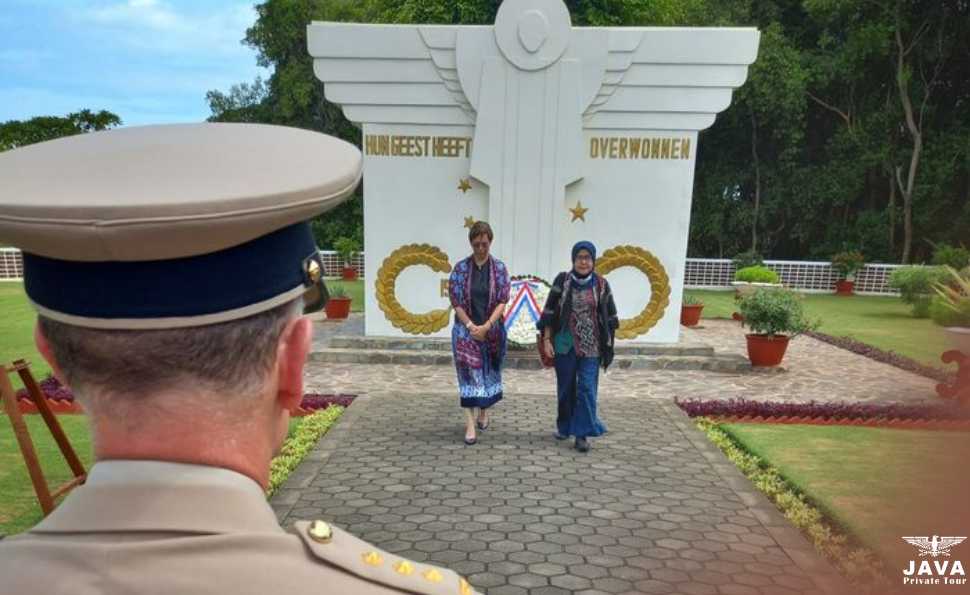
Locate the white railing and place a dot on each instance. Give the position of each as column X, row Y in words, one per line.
column 701, row 273
column 12, row 264
column 802, row 275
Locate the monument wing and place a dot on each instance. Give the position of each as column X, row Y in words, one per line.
column 386, row 74
column 670, row 78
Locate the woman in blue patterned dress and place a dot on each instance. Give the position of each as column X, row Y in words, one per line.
column 578, row 324
column 479, row 290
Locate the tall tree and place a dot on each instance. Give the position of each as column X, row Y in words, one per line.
column 18, row 133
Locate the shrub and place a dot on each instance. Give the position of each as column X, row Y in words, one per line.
column 690, row 300
column 347, row 248
column 310, row 430
column 915, row 285
column 751, row 258
column 848, row 263
column 951, row 256
column 756, row 274
column 775, row 312
column 951, row 306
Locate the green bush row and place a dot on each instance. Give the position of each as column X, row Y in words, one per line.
column 299, row 444
column 858, row 564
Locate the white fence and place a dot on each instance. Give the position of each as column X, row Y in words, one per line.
column 807, row 276
column 702, row 273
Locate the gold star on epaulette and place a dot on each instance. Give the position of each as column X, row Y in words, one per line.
column 579, row 211
column 464, row 185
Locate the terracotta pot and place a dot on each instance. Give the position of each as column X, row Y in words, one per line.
column 959, row 337
column 690, row 314
column 766, row 350
column 349, row 274
column 844, row 287
column 338, row 308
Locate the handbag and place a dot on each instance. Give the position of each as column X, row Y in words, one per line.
column 547, row 359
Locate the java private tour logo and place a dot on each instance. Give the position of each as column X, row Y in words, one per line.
column 941, row 570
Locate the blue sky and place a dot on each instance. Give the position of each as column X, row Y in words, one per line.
column 149, row 61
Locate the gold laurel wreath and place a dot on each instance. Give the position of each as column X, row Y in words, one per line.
column 384, row 285
column 649, row 265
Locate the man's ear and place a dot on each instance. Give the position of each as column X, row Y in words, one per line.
column 47, row 352
column 291, row 353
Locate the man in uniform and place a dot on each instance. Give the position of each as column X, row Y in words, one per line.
column 170, row 267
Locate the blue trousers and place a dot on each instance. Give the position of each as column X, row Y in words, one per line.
column 577, row 380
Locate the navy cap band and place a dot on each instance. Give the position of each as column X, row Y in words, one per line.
column 224, row 285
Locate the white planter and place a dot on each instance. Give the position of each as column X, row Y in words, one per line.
column 959, row 337
column 744, row 288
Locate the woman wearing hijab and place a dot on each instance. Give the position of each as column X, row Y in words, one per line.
column 479, row 289
column 578, row 324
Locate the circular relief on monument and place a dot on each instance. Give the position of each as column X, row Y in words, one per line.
column 532, row 34
column 649, row 265
column 384, row 287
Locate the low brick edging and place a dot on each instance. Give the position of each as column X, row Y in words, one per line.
column 790, row 539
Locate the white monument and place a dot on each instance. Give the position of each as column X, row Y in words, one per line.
column 552, row 134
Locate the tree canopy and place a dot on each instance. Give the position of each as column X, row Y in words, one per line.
column 17, row 133
column 851, row 132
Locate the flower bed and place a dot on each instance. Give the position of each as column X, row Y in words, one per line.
column 61, row 399
column 922, row 416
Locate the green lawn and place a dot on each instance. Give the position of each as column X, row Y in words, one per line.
column 18, row 503
column 879, row 483
column 17, row 330
column 19, row 509
column 884, row 322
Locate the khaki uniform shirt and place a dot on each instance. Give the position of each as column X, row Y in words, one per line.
column 163, row 528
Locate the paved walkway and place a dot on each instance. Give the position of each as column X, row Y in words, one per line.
column 813, row 371
column 654, row 508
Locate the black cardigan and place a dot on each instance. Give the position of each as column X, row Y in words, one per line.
column 558, row 307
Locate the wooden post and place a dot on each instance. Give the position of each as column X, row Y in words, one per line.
column 22, row 433
column 23, row 368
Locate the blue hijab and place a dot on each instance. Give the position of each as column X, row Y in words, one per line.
column 589, row 247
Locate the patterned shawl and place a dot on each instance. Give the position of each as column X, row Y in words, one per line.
column 460, row 292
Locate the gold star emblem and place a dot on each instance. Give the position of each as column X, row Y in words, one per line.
column 404, row 567
column 464, row 185
column 433, row 576
column 372, row 558
column 465, row 588
column 579, row 211
column 469, row 222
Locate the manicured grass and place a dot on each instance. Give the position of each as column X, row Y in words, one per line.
column 19, row 509
column 883, row 322
column 878, row 483
column 17, row 319
column 354, row 289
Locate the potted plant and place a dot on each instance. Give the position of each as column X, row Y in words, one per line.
column 347, row 249
column 338, row 306
column 847, row 264
column 915, row 286
column 951, row 309
column 775, row 317
column 750, row 279
column 690, row 310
